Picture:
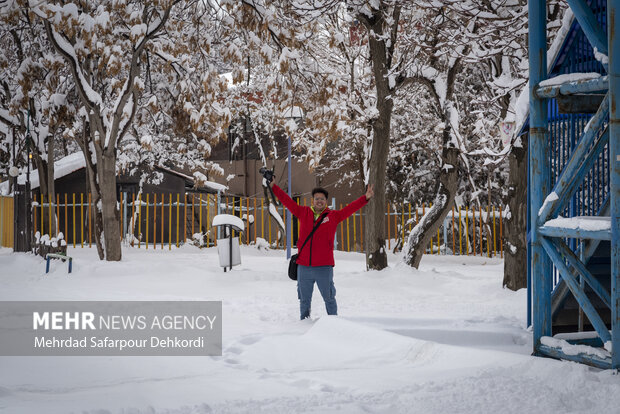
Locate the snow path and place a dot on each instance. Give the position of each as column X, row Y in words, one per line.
column 446, row 338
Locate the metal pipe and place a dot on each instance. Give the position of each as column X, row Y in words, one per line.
column 538, row 170
column 613, row 21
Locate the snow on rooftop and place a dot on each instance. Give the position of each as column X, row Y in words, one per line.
column 62, row 167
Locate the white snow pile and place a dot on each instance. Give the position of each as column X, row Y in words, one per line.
column 443, row 339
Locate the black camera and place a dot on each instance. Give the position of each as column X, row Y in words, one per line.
column 268, row 174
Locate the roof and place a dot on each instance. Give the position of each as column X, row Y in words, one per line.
column 62, row 167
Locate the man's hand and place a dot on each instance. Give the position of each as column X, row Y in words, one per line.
column 369, row 192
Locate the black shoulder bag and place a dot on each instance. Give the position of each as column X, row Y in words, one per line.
column 292, row 265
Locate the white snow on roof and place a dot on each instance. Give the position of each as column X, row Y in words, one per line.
column 222, row 219
column 62, row 167
column 214, row 186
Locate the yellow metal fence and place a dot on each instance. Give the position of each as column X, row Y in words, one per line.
column 166, row 220
column 6, row 222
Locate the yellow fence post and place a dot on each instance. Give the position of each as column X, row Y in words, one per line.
column 140, row 219
column 82, row 220
column 57, row 213
column 178, row 206
column 467, row 229
column 460, row 234
column 342, row 232
column 388, row 225
column 163, row 198
column 480, row 221
column 193, row 216
column 453, row 231
column 42, row 211
column 255, row 225
column 361, row 232
column 90, row 234
column 438, row 242
column 262, row 218
column 146, row 239
column 409, row 220
column 34, row 214
column 200, row 214
column 50, row 202
column 133, row 220
column 154, row 222
column 354, row 233
column 494, row 240
column 402, row 222
column 348, row 238
column 66, row 220
column 501, row 236
column 169, row 221
column 73, row 207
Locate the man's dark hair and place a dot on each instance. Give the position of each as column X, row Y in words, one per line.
column 320, row 190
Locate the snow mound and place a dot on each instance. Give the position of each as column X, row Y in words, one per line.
column 332, row 343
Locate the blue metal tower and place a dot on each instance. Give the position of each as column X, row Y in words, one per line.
column 574, row 183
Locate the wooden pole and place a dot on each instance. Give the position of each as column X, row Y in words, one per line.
column 256, row 225
column 473, row 211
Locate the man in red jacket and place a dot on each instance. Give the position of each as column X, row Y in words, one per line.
column 316, row 260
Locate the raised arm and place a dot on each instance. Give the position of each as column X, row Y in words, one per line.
column 288, row 202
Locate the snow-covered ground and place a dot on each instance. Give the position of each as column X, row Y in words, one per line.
column 444, row 339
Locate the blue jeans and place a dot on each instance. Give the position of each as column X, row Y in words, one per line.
column 324, row 278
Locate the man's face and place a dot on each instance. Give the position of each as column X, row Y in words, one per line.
column 320, row 202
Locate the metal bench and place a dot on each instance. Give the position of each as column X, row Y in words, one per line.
column 57, row 256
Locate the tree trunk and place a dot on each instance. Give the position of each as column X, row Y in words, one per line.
column 380, row 55
column 109, row 211
column 422, row 233
column 515, row 226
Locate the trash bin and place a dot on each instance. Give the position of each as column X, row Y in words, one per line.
column 228, row 246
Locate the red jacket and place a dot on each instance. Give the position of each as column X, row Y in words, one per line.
column 319, row 251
